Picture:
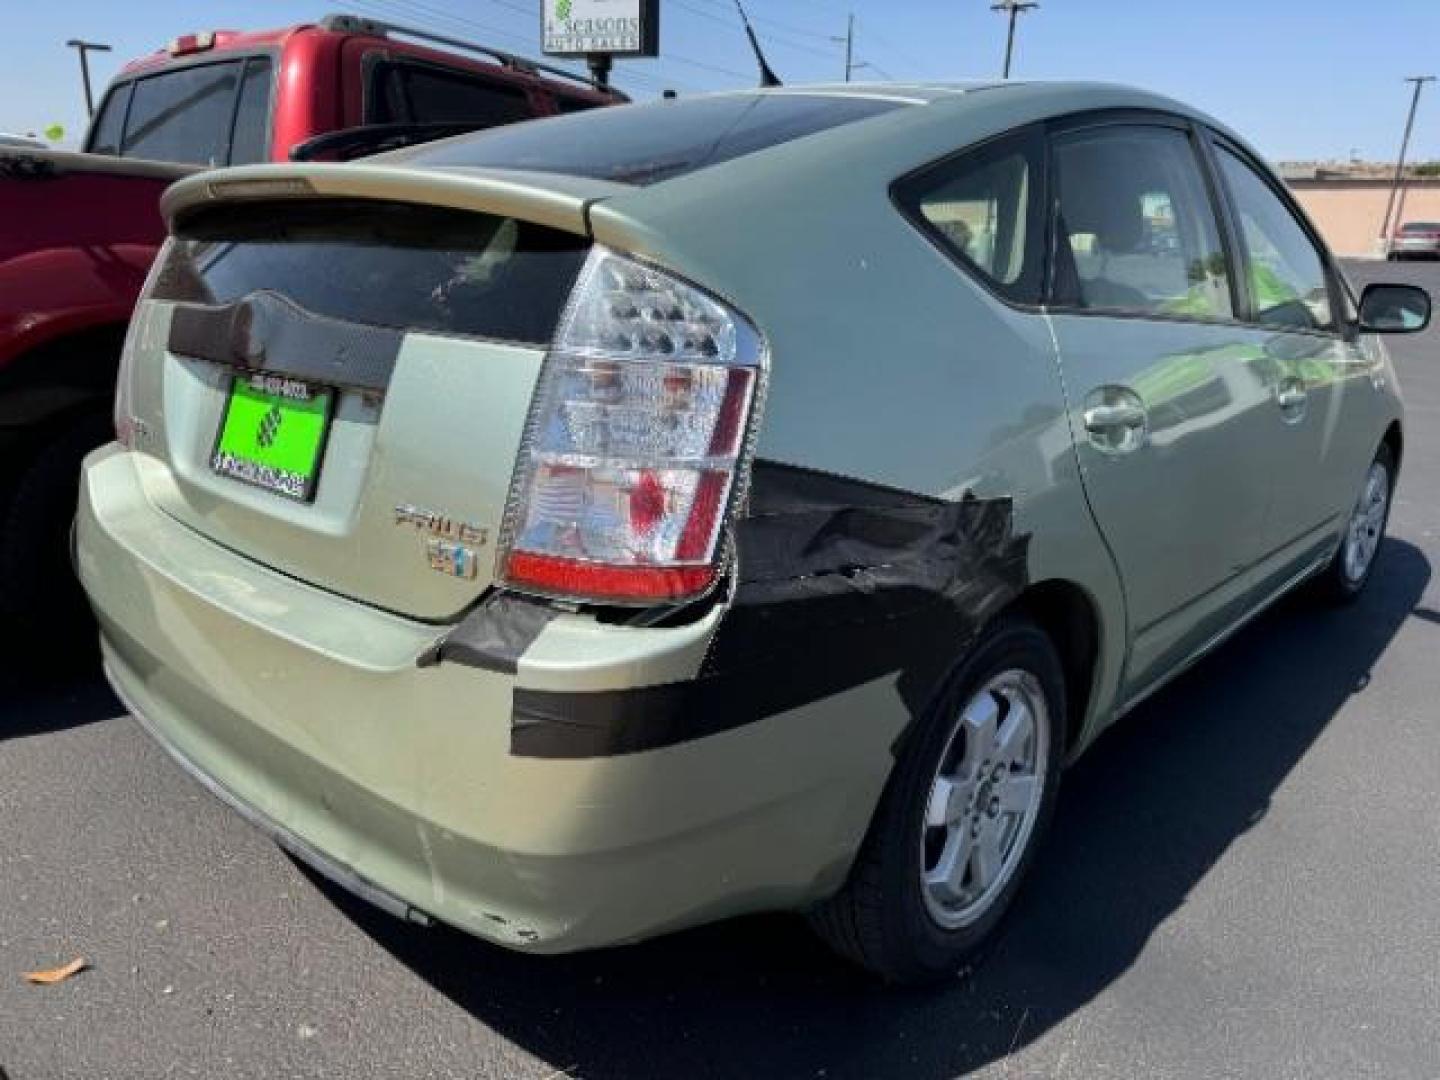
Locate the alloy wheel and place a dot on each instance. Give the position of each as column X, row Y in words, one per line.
column 1367, row 523
column 985, row 798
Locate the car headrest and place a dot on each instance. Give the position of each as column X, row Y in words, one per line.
column 1095, row 200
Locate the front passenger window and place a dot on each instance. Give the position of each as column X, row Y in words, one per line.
column 1136, row 232
column 1288, row 287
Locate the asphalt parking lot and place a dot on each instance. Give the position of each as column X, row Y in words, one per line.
column 1242, row 882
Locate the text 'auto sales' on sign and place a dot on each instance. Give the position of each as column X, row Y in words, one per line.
column 618, row 27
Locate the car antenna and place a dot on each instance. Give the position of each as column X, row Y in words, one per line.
column 767, row 75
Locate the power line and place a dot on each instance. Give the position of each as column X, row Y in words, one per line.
column 788, row 27
column 770, row 36
column 902, row 54
column 417, row 10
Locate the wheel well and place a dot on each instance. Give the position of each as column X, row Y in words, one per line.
column 85, row 363
column 1067, row 615
column 1395, row 440
column 53, row 386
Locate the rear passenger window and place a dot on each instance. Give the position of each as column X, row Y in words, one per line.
column 105, row 132
column 984, row 208
column 427, row 94
column 183, row 115
column 1287, row 279
column 566, row 104
column 1135, row 228
column 252, row 115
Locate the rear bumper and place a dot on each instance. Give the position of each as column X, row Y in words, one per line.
column 309, row 713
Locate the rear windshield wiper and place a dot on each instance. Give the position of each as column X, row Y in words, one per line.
column 355, row 142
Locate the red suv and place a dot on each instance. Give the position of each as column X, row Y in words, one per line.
column 81, row 231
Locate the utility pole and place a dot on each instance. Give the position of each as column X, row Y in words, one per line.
column 851, row 65
column 1386, row 228
column 84, row 47
column 1013, row 8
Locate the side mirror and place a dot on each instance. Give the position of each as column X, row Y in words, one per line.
column 1394, row 309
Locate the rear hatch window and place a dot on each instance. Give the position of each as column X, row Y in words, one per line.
column 339, row 388
column 645, row 144
column 382, row 264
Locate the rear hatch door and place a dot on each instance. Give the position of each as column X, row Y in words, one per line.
column 335, row 383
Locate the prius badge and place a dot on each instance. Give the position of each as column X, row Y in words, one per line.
column 450, row 544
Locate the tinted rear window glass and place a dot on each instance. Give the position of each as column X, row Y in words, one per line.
column 381, row 264
column 1421, row 226
column 183, row 115
column 252, row 115
column 105, row 132
column 424, row 93
column 567, row 104
column 644, row 144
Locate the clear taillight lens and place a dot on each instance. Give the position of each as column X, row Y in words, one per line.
column 635, row 440
column 124, row 417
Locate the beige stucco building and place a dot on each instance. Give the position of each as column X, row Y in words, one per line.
column 1349, row 211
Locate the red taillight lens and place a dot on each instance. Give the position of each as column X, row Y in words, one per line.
column 635, row 440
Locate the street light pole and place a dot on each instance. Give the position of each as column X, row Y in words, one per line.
column 1386, row 226
column 83, row 48
column 849, row 42
column 1014, row 8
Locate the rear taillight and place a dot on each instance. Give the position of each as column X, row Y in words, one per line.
column 125, row 422
column 635, row 442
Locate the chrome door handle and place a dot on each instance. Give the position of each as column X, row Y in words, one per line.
column 1290, row 398
column 1102, row 419
column 1115, row 419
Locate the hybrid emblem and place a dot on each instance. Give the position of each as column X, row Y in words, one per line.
column 450, row 544
column 448, row 557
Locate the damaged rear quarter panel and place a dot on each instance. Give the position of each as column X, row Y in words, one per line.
column 887, row 363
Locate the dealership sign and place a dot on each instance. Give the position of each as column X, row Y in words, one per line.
column 587, row 27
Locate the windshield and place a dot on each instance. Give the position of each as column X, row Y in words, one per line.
column 644, row 144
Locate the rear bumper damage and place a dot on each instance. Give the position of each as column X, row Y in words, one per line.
column 313, row 715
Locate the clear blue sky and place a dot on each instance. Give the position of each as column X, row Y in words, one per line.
column 1301, row 78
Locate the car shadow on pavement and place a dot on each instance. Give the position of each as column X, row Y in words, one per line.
column 1142, row 819
column 33, row 706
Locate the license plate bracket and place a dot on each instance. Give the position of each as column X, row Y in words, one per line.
column 273, row 434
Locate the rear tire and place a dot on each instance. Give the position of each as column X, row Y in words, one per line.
column 1349, row 571
column 45, row 622
column 924, row 900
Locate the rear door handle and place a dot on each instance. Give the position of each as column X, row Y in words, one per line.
column 1290, row 398
column 1102, row 419
column 1115, row 419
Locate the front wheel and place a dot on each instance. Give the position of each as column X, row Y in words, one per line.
column 1349, row 571
column 957, row 828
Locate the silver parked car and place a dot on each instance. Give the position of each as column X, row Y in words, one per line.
column 1416, row 240
column 604, row 524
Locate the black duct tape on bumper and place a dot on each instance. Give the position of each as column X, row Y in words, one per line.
column 494, row 635
column 838, row 582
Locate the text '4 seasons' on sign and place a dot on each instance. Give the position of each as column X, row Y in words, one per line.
column 618, row 27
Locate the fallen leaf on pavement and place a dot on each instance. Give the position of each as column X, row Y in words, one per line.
column 59, row 974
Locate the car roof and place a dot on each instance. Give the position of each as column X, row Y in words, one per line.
column 656, row 142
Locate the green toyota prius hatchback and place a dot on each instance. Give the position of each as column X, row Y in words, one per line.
column 604, row 524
